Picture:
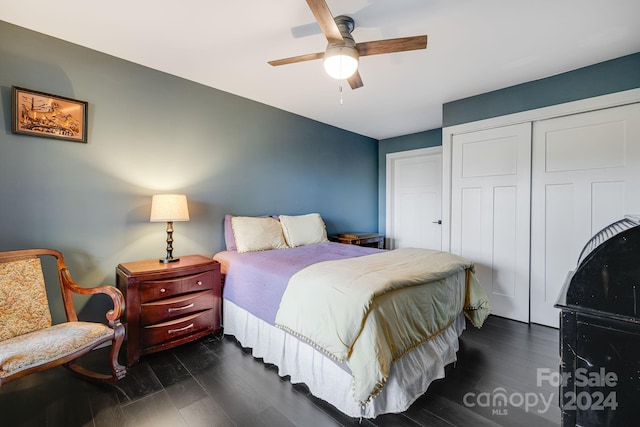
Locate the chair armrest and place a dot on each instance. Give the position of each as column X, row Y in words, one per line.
column 69, row 285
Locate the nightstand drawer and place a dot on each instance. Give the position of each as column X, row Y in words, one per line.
column 179, row 306
column 152, row 290
column 173, row 329
column 198, row 282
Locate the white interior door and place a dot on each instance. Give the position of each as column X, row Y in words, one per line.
column 414, row 199
column 586, row 172
column 490, row 212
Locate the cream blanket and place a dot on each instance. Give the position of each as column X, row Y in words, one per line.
column 353, row 310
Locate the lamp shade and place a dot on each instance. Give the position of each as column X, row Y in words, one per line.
column 169, row 207
column 340, row 61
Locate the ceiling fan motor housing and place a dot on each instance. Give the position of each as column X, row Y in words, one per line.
column 341, row 58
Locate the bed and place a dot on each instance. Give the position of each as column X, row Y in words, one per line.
column 347, row 321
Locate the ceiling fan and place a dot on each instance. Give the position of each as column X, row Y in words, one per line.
column 342, row 54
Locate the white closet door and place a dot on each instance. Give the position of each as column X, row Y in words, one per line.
column 414, row 199
column 586, row 172
column 490, row 212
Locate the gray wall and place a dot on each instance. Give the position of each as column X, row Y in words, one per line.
column 150, row 132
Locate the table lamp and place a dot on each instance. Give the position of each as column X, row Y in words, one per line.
column 169, row 208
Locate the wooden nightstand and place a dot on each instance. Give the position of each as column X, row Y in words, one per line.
column 372, row 240
column 169, row 304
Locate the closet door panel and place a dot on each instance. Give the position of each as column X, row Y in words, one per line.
column 490, row 212
column 559, row 211
column 584, row 170
column 469, row 239
column 607, row 201
column 505, row 247
column 581, row 147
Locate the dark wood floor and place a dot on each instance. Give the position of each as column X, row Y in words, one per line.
column 214, row 382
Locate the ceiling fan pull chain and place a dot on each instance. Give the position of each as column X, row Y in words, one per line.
column 340, row 90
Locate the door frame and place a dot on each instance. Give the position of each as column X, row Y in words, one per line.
column 581, row 106
column 391, row 159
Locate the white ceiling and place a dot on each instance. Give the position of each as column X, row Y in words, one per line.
column 474, row 46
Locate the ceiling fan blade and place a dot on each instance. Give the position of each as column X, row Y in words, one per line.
column 355, row 81
column 392, row 45
column 299, row 58
column 325, row 20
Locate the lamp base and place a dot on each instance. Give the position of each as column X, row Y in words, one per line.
column 169, row 258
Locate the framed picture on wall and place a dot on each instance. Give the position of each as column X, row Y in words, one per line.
column 50, row 116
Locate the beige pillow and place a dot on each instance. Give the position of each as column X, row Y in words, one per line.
column 257, row 234
column 302, row 230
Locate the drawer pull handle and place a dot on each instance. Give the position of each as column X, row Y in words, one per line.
column 199, row 283
column 162, row 290
column 172, row 309
column 174, row 331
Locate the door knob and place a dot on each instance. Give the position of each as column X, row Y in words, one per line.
column 438, row 222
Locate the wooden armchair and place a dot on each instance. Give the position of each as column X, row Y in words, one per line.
column 28, row 341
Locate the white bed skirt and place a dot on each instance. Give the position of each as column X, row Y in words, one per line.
column 409, row 377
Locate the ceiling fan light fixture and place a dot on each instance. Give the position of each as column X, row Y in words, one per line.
column 341, row 61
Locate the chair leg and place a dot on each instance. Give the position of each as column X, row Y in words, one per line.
column 117, row 370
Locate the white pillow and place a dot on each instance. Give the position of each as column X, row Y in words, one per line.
column 257, row 234
column 302, row 230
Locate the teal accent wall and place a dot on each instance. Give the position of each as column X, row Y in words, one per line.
column 430, row 138
column 603, row 78
column 150, row 132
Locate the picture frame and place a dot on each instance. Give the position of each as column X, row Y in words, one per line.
column 45, row 115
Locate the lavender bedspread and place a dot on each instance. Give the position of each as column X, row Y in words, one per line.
column 256, row 281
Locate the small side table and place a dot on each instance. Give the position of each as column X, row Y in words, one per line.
column 372, row 240
column 169, row 304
